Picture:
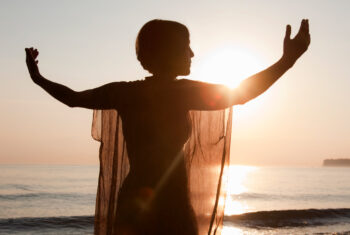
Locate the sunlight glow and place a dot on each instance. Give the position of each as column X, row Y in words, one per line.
column 236, row 176
column 234, row 207
column 228, row 230
column 228, row 65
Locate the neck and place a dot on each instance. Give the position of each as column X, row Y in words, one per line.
column 164, row 76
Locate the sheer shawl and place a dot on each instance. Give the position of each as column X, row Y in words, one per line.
column 206, row 152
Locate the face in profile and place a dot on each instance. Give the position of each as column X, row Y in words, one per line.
column 182, row 57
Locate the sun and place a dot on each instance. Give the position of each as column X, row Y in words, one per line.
column 227, row 65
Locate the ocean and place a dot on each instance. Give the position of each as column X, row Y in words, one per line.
column 60, row 199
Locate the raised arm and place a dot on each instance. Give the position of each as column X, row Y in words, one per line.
column 292, row 51
column 204, row 96
column 103, row 97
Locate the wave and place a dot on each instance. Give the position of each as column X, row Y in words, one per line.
column 260, row 219
column 249, row 195
column 291, row 218
column 43, row 195
column 16, row 186
column 76, row 222
column 285, row 197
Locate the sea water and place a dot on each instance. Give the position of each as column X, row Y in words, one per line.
column 42, row 199
column 288, row 200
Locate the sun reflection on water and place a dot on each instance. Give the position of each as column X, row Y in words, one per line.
column 231, row 231
column 236, row 185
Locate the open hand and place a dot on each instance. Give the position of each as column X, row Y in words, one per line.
column 294, row 48
column 32, row 63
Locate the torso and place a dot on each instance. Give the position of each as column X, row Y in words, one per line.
column 155, row 131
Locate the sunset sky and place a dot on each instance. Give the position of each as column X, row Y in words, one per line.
column 301, row 120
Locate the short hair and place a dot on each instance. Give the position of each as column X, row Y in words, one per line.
column 156, row 39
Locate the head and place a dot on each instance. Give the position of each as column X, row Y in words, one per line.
column 163, row 48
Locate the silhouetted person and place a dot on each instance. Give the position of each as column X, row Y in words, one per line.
column 155, row 111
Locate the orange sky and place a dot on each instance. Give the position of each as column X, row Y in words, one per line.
column 301, row 120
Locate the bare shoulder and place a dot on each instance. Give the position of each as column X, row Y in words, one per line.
column 195, row 84
column 122, row 88
column 192, row 83
column 124, row 84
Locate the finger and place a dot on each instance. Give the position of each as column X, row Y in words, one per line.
column 307, row 26
column 288, row 31
column 29, row 58
column 302, row 26
column 35, row 53
column 27, row 51
column 30, row 54
column 307, row 39
column 27, row 55
column 305, row 29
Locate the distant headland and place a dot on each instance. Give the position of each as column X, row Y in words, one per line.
column 337, row 162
